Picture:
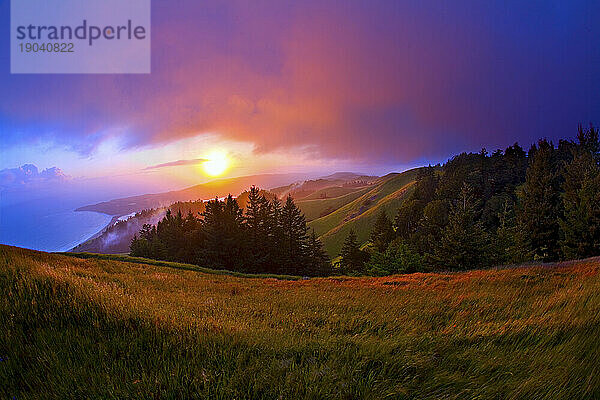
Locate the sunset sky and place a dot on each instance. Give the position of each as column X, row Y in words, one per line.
column 281, row 86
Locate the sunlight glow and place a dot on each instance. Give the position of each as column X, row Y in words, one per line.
column 217, row 163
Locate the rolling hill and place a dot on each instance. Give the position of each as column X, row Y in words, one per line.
column 317, row 208
column 332, row 205
column 359, row 209
column 101, row 328
column 329, row 186
column 205, row 191
column 322, row 197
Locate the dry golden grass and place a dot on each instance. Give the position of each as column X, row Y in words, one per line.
column 528, row 332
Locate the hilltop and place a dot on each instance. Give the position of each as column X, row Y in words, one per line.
column 315, row 198
column 74, row 328
column 359, row 209
column 205, row 191
column 328, row 186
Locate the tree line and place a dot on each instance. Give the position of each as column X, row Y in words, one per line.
column 266, row 237
column 476, row 210
column 483, row 209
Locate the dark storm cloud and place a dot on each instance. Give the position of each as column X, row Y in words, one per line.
column 379, row 80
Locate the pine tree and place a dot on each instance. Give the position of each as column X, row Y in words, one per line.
column 464, row 243
column 398, row 258
column 506, row 247
column 318, row 260
column 580, row 226
column 257, row 215
column 276, row 249
column 170, row 233
column 294, row 236
column 223, row 229
column 589, row 142
column 406, row 221
column 192, row 240
column 426, row 185
column 430, row 229
column 383, row 232
column 142, row 246
column 539, row 209
column 139, row 247
column 352, row 258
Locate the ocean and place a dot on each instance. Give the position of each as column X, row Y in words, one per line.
column 48, row 224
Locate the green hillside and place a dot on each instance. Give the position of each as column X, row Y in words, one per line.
column 331, row 192
column 317, row 208
column 360, row 213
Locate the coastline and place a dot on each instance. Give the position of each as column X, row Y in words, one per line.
column 112, row 221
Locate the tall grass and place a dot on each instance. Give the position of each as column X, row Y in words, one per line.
column 189, row 267
column 90, row 328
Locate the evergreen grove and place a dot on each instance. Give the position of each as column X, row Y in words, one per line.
column 475, row 211
column 481, row 210
column 269, row 237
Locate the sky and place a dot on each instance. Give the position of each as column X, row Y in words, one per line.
column 314, row 85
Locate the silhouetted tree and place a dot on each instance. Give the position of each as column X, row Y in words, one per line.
column 294, row 232
column 223, row 229
column 258, row 213
column 276, row 238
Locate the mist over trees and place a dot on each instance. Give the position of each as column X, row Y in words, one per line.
column 475, row 211
column 268, row 238
column 507, row 207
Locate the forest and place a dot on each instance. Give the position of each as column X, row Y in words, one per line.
column 269, row 237
column 475, row 211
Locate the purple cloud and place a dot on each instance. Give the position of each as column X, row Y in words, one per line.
column 381, row 81
column 28, row 175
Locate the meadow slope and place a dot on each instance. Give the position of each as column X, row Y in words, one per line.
column 360, row 213
column 98, row 328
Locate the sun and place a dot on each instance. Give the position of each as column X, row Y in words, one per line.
column 216, row 163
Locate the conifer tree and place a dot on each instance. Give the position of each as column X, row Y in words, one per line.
column 406, row 221
column 257, row 214
column 506, row 246
column 224, row 235
column 276, row 238
column 170, row 234
column 580, row 226
column 539, row 209
column 318, row 260
column 139, row 247
column 589, row 142
column 352, row 258
column 397, row 258
column 383, row 232
column 464, row 243
column 426, row 185
column 408, row 217
column 294, row 236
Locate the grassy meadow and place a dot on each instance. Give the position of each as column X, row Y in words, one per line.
column 359, row 213
column 317, row 208
column 74, row 327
